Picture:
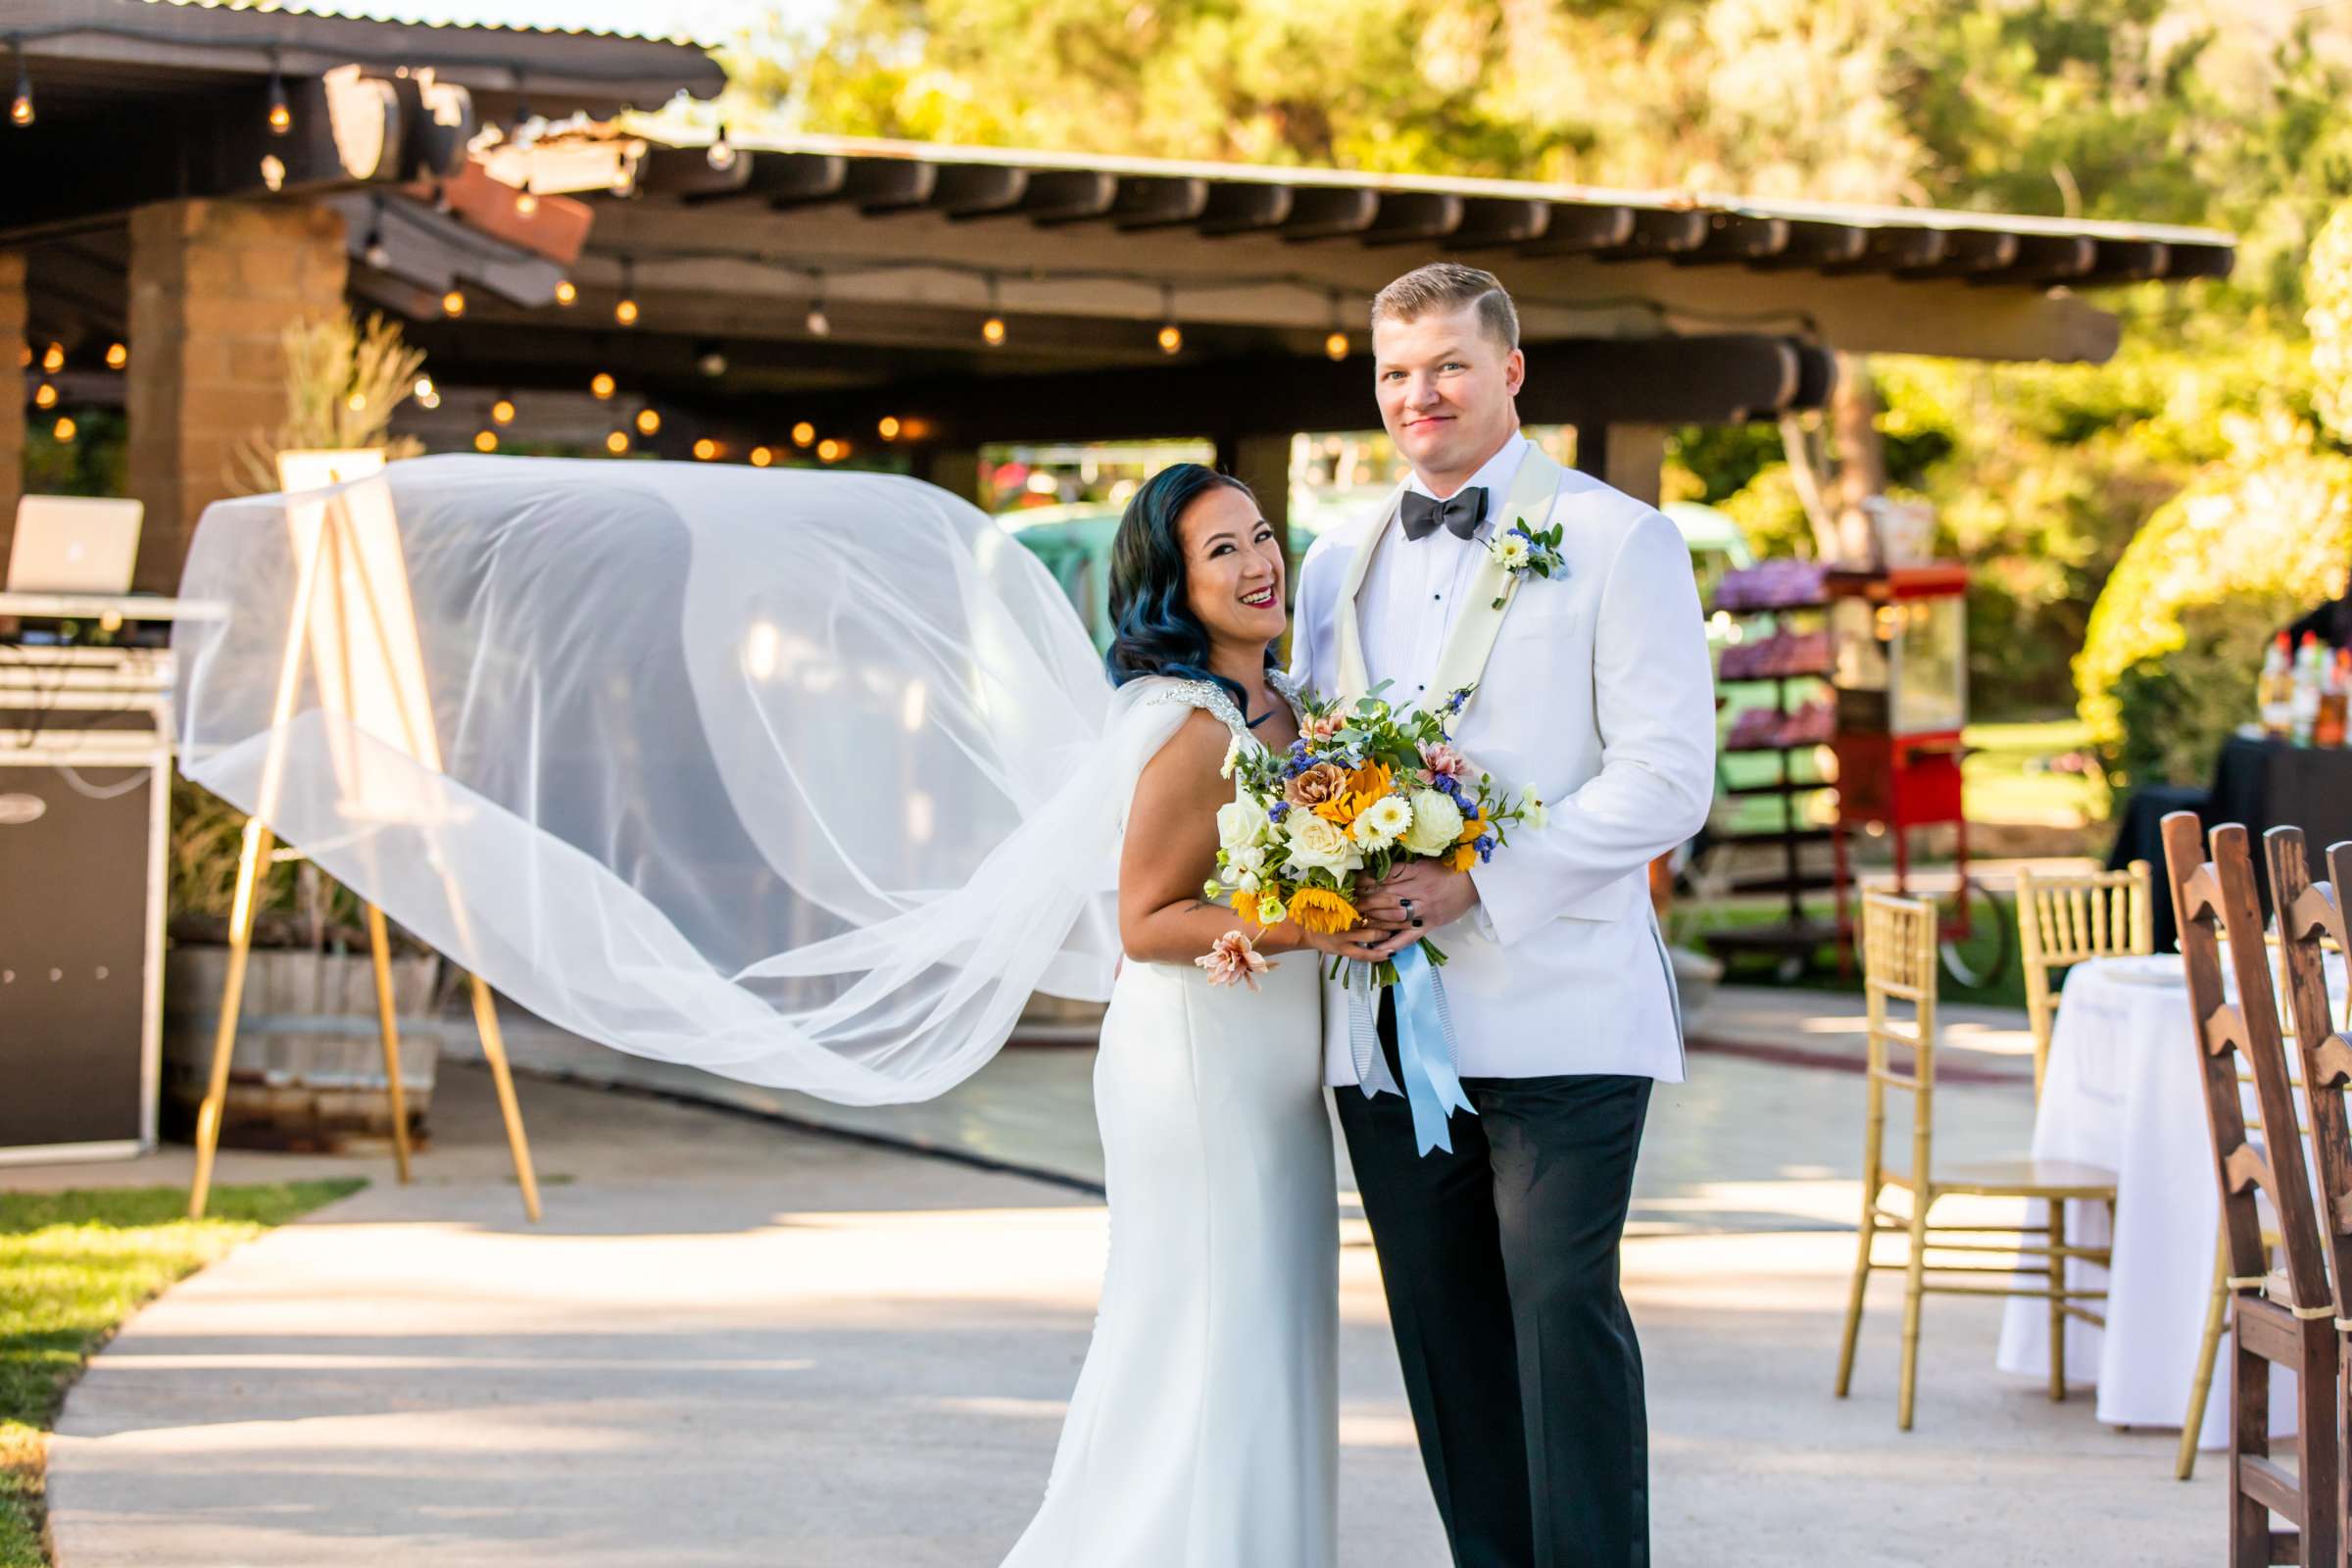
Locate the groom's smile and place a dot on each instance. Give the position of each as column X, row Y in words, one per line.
column 1446, row 385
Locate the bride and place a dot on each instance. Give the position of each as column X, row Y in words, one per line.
column 1203, row 1433
column 814, row 780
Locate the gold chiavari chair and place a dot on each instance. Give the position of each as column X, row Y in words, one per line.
column 1900, row 969
column 2064, row 919
column 2286, row 1317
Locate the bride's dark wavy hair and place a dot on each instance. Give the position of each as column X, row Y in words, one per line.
column 1155, row 632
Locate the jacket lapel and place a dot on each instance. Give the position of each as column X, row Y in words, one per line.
column 1354, row 677
column 1478, row 623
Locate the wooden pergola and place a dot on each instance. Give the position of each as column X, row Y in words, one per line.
column 927, row 300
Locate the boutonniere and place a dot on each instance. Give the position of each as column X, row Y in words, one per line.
column 1522, row 553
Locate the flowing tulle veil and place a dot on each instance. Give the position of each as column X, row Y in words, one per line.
column 806, row 778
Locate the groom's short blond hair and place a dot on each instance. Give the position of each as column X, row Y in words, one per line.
column 1451, row 286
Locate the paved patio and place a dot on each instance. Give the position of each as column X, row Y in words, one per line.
column 740, row 1342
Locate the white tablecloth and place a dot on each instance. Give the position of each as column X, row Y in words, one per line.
column 2124, row 1091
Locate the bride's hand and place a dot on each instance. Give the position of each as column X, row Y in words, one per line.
column 1368, row 942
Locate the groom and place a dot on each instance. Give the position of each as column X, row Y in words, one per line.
column 1591, row 686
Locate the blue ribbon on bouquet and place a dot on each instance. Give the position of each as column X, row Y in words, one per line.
column 1425, row 1046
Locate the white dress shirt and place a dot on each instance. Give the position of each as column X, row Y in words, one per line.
column 1412, row 585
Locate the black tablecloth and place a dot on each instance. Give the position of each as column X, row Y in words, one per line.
column 2267, row 784
column 2262, row 784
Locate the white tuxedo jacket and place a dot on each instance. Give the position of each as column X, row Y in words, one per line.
column 1594, row 688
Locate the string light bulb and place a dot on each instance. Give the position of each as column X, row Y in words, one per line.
column 601, row 384
column 802, row 433
column 64, row 430
column 1170, row 336
column 992, row 330
column 526, row 201
column 889, row 427
column 649, row 422
column 625, row 309
column 53, row 359
column 503, row 412
column 427, row 396
column 453, row 303
column 761, row 456
column 281, row 114
column 1335, row 346
column 721, row 154
column 568, row 294
column 618, row 442
column 44, row 396
column 829, row 450
column 485, row 440
column 117, row 354
column 705, row 449
column 20, row 107
column 820, row 324
column 372, row 249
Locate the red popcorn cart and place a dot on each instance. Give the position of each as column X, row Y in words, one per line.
column 1899, row 666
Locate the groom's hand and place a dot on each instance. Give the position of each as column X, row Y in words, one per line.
column 1417, row 897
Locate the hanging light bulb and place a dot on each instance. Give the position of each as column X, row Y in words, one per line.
column 567, row 293
column 649, row 422
column 618, row 442
column 427, row 396
column 601, row 384
column 802, row 433
column 357, row 402
column 889, row 427
column 722, row 151
column 1335, row 346
column 626, row 310
column 503, row 412
column 64, row 430
column 53, row 360
column 992, row 330
column 281, row 115
column 372, row 249
column 1171, row 336
column 761, row 456
column 485, row 440
column 829, row 450
column 453, row 303
column 705, row 449
column 117, row 356
column 820, row 324
column 711, row 358
column 20, row 107
column 44, row 396
column 526, row 201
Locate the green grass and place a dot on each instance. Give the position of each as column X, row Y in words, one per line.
column 73, row 1266
column 2006, row 781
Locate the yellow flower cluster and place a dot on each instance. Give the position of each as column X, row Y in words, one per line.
column 1366, row 784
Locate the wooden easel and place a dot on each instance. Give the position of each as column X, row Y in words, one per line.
column 354, row 618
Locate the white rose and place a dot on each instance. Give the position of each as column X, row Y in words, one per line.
column 1316, row 844
column 1238, row 823
column 1512, row 552
column 1382, row 822
column 1436, row 823
column 1248, row 862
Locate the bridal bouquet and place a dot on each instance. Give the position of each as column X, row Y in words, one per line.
column 1360, row 792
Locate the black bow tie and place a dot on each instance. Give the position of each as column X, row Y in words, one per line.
column 1461, row 513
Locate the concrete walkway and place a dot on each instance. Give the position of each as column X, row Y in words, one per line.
column 735, row 1342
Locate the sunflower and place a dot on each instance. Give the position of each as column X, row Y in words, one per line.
column 1464, row 854
column 1321, row 909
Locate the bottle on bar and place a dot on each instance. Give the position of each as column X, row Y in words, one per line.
column 2335, row 697
column 2310, row 672
column 2275, row 692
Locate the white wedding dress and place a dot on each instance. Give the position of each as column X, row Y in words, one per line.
column 1203, row 1432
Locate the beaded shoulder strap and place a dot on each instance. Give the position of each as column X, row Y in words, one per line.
column 1208, row 695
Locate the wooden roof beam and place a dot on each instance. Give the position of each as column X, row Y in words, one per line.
column 1488, row 223
column 1968, row 253
column 1734, row 237
column 1574, row 229
column 1818, row 246
column 1895, row 250
column 1659, row 234
column 1236, row 208
column 1413, row 217
column 1330, row 211
column 1147, row 201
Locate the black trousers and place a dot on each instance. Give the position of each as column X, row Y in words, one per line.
column 1519, row 1356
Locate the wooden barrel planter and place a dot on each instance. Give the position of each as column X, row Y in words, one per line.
column 308, row 1071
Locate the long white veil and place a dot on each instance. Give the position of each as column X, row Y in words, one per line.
column 805, row 778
